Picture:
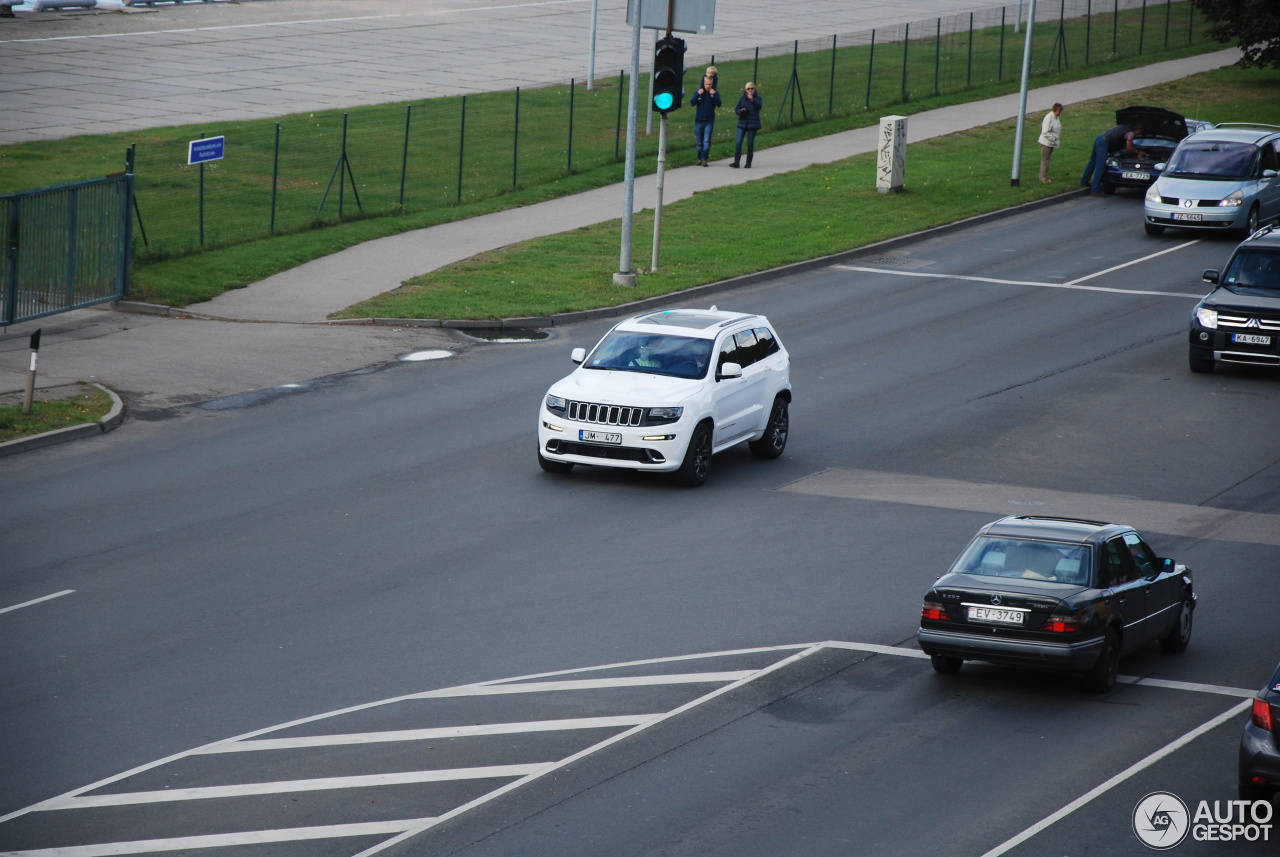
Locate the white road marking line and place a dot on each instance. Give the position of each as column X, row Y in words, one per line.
column 222, row 840
column 445, row 775
column 286, row 24
column 1164, row 751
column 1195, row 687
column 901, row 651
column 1135, row 261
column 1137, row 681
column 36, row 601
column 997, row 281
column 584, row 684
column 759, row 650
column 430, row 734
column 483, row 799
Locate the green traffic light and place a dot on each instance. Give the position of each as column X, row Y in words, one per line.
column 663, row 100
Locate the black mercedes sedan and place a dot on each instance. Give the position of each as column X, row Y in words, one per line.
column 1056, row 593
column 1260, row 744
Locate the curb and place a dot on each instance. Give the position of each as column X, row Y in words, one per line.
column 634, row 307
column 114, row 418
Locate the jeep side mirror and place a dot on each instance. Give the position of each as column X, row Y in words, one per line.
column 1210, row 276
column 729, row 370
column 577, row 355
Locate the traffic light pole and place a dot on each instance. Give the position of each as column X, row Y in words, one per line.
column 657, row 210
column 624, row 276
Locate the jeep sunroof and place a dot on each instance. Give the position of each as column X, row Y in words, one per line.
column 688, row 318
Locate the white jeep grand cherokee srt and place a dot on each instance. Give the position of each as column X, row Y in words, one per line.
column 666, row 390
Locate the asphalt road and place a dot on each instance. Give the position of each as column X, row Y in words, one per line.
column 382, row 550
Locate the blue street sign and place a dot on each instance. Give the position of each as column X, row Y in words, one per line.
column 202, row 151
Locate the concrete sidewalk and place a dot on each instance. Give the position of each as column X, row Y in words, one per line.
column 268, row 334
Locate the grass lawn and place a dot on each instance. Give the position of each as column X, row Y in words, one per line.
column 788, row 218
column 88, row 404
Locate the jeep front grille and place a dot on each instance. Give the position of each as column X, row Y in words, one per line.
column 608, row 415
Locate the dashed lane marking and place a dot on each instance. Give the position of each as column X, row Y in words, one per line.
column 36, row 600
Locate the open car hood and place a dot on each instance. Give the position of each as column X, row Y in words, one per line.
column 1155, row 122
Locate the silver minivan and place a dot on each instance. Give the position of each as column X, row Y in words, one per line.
column 1226, row 177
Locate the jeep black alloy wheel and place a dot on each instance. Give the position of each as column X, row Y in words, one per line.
column 552, row 466
column 774, row 439
column 697, row 459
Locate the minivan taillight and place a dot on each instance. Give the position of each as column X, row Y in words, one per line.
column 1262, row 714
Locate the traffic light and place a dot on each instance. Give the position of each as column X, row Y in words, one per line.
column 668, row 73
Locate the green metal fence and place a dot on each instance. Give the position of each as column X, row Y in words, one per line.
column 316, row 169
column 65, row 247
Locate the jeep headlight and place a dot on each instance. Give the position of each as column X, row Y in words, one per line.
column 1153, row 195
column 1233, row 200
column 555, row 404
column 665, row 414
column 1207, row 317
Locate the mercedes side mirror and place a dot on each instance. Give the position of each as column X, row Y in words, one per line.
column 577, row 355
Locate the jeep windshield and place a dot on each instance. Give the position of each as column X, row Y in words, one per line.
column 1212, row 160
column 1253, row 272
column 655, row 354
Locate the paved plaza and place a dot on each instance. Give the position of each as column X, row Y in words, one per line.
column 125, row 69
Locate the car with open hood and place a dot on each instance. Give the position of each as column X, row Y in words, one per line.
column 1162, row 131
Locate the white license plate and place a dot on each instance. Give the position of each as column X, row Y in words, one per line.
column 1178, row 215
column 1138, row 176
column 1251, row 339
column 599, row 436
column 996, row 615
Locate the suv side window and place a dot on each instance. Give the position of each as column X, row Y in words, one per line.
column 728, row 354
column 748, row 350
column 768, row 345
column 1143, row 558
column 1116, row 568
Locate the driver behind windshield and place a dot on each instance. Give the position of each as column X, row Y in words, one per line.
column 1255, row 270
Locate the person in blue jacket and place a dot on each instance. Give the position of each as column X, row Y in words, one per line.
column 748, row 111
column 705, row 101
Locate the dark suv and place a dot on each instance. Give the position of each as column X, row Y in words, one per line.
column 1239, row 321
